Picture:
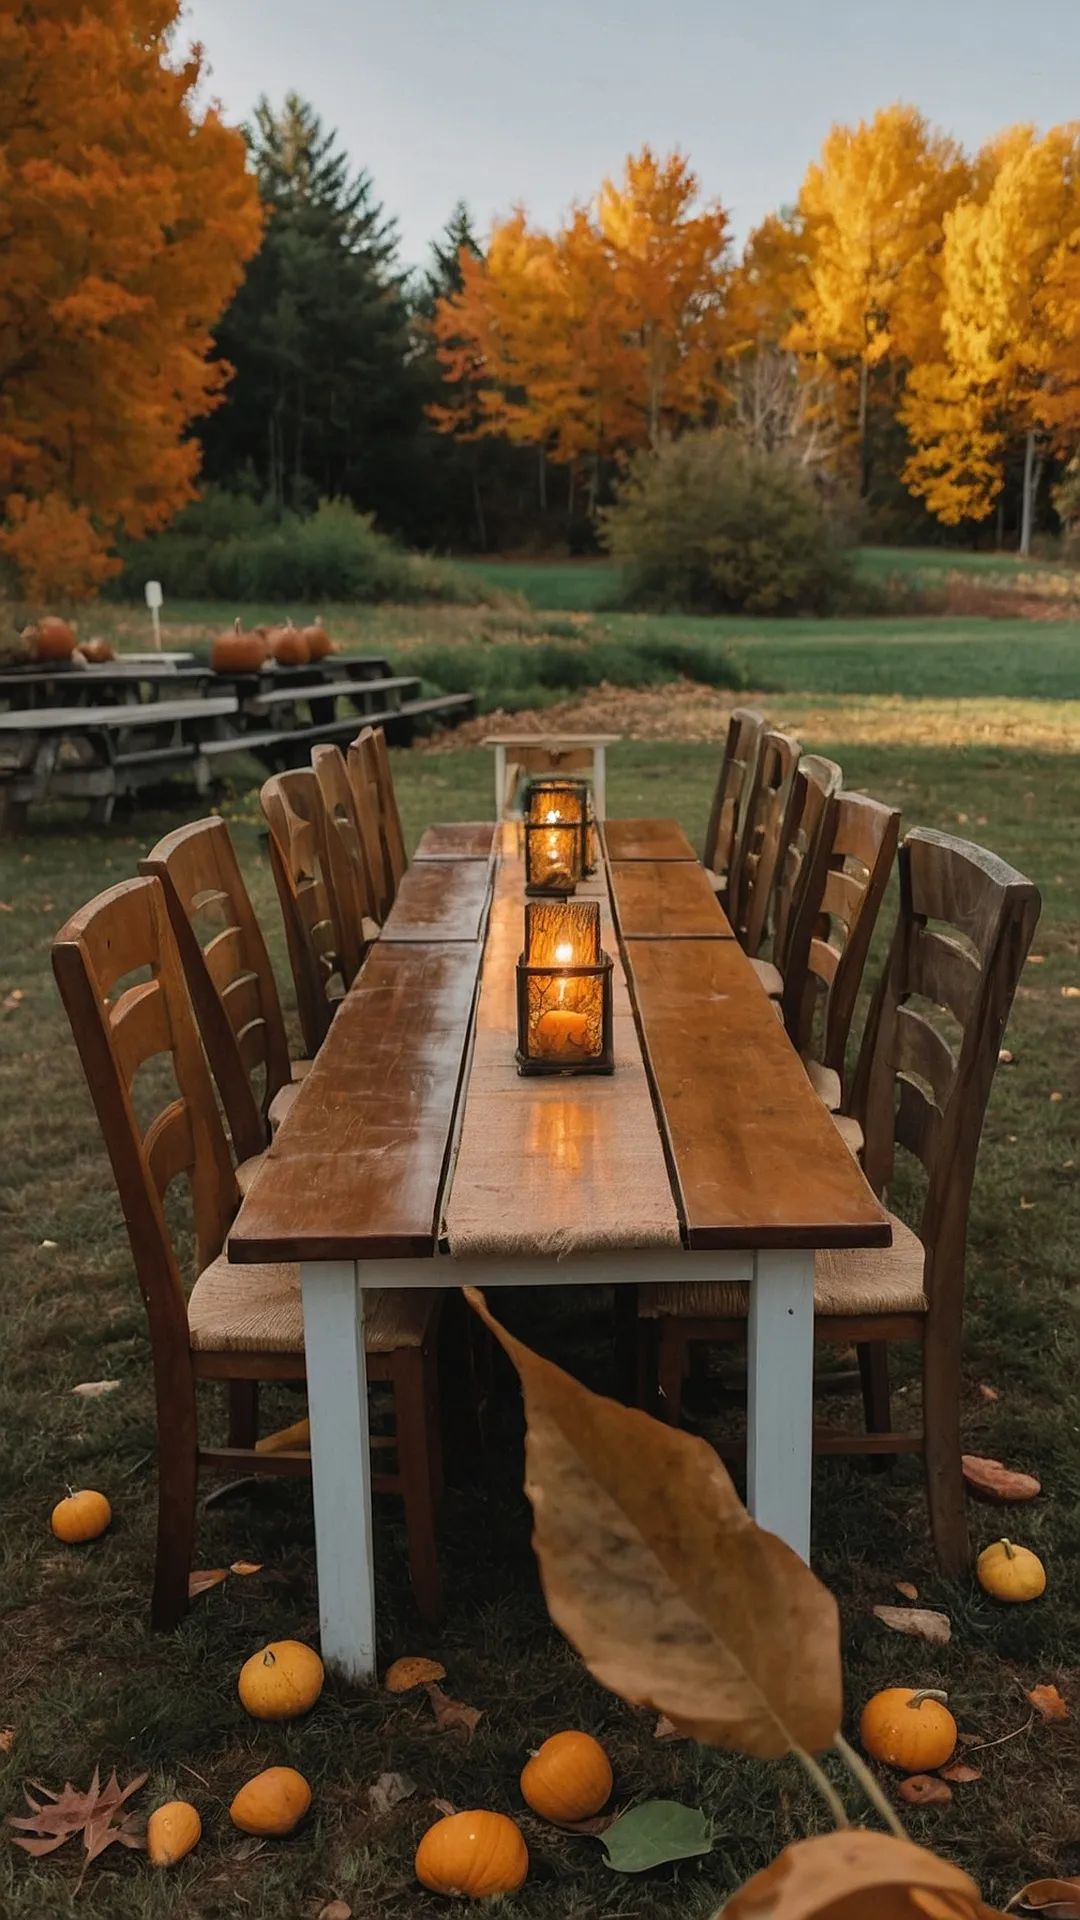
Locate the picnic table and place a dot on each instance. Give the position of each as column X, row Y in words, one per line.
column 96, row 753
column 414, row 1155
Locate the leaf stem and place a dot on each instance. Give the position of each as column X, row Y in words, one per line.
column 824, row 1785
column 857, row 1766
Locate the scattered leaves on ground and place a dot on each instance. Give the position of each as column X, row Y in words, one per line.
column 7, row 1739
column 1070, row 993
column 246, row 1566
column 852, row 1872
column 1048, row 1703
column 389, row 1790
column 59, row 1816
column 960, row 1773
column 335, row 1910
column 908, row 1589
column 922, row 1621
column 988, row 1393
column 452, row 1714
column 202, row 1581
column 667, row 1730
column 1054, row 1899
column 994, row 1480
column 93, row 1389
column 652, row 1834
column 924, row 1790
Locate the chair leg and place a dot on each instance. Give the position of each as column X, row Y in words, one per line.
column 243, row 1402
column 412, row 1396
column 873, row 1358
column 432, row 1423
column 944, row 1472
column 671, row 1369
column 178, row 1479
column 627, row 1381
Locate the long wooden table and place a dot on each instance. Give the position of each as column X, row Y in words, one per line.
column 415, row 1155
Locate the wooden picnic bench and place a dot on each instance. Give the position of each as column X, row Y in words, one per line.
column 99, row 753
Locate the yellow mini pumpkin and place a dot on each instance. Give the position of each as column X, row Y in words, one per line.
column 281, row 1681
column 273, row 1802
column 82, row 1516
column 171, row 1832
column 568, row 1779
column 479, row 1855
column 911, row 1730
column 1011, row 1573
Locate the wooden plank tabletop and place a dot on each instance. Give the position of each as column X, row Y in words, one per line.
column 646, row 840
column 440, row 900
column 756, row 1159
column 666, row 899
column 457, row 840
column 356, row 1170
column 135, row 713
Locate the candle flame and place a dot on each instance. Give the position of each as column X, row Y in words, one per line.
column 564, row 953
column 552, row 816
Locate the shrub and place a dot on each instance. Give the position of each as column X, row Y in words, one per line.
column 510, row 677
column 226, row 547
column 710, row 525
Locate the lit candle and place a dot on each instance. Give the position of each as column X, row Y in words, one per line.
column 564, row 985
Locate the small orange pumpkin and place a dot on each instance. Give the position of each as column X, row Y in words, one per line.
column 289, row 646
column 281, row 1681
column 235, row 651
column 97, row 651
column 273, row 1802
column 171, row 1832
column 53, row 639
column 568, row 1778
column 82, row 1516
column 911, row 1730
column 319, row 643
column 479, row 1855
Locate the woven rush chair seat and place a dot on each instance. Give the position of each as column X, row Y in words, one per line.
column 847, row 1282
column 850, row 1132
column 257, row 1309
column 770, row 978
column 825, row 1082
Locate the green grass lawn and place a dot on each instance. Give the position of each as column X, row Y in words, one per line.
column 83, row 1682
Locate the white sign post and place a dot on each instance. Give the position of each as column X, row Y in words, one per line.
column 155, row 600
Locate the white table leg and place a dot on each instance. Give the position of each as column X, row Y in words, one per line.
column 500, row 782
column 599, row 782
column 340, row 1463
column 780, row 1408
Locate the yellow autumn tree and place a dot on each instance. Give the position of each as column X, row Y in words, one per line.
column 126, row 215
column 1008, row 370
column 868, row 299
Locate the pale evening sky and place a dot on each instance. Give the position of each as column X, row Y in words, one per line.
column 498, row 101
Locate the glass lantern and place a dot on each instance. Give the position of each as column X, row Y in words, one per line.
column 564, row 990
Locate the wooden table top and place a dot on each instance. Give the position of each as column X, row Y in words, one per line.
column 440, row 900
column 666, row 900
column 135, row 713
column 646, row 840
column 457, row 840
column 413, row 1130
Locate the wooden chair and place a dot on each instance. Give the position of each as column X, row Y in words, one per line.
column 349, row 875
column 230, row 980
column 300, row 860
column 745, row 729
column 240, row 1325
column 372, row 756
column 802, row 870
column 764, row 831
column 926, row 1066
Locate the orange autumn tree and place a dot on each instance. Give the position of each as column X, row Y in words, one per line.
column 126, row 216
column 603, row 336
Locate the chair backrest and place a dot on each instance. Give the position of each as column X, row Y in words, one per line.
column 802, row 866
column 228, row 971
column 745, row 729
column 930, row 1050
column 374, row 756
column 293, row 809
column 119, row 1029
column 835, row 925
column 763, row 835
column 360, row 764
column 352, row 886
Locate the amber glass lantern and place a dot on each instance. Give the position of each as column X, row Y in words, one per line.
column 564, row 990
column 556, row 837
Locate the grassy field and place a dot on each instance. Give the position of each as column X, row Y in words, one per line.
column 83, row 1682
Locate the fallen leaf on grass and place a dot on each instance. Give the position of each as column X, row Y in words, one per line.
column 1005, row 1057
column 7, row 1739
column 1070, row 993
column 389, row 1791
column 1035, row 959
column 12, row 1001
column 1054, row 1899
column 987, row 1393
column 446, row 1807
column 1056, row 1099
column 654, row 1833
column 246, row 1566
column 451, row 1714
column 856, row 1871
column 1027, row 1206
column 93, row 1814
column 923, row 1790
column 335, row 1910
column 909, row 1591
column 92, row 1389
column 995, row 1481
column 667, row 1730
column 922, row 1621
column 201, row 1582
column 960, row 1773
column 1048, row 1703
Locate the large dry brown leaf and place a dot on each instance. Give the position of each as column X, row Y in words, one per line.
column 453, row 1714
column 924, row 1790
column 921, row 1621
column 655, row 1572
column 960, row 1773
column 819, row 1877
column 202, row 1581
column 1053, row 1899
column 1048, row 1703
column 59, row 1816
column 995, row 1481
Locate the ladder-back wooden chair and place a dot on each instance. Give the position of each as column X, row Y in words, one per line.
column 240, row 1325
column 763, row 836
column 353, row 892
column 230, row 980
column 926, row 1067
column 745, row 729
column 803, row 867
column 299, row 858
column 374, row 758
column 360, row 767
